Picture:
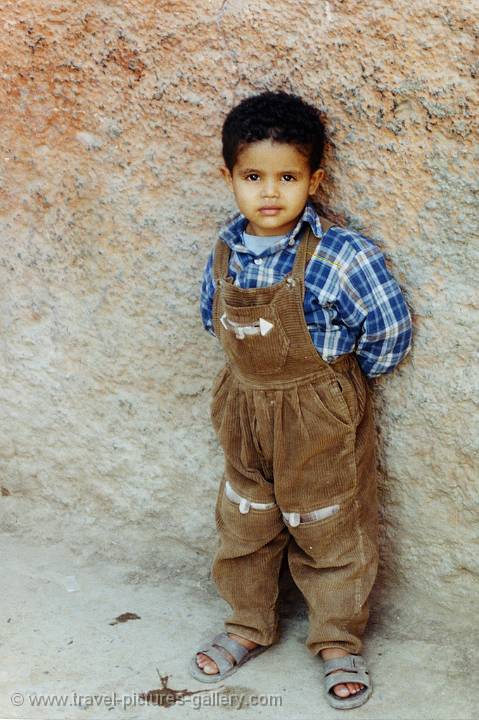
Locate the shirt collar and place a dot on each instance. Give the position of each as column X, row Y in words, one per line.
column 232, row 232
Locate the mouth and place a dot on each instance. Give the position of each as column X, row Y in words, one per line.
column 269, row 210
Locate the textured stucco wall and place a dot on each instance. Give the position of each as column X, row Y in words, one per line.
column 110, row 201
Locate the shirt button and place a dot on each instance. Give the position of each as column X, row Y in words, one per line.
column 258, row 261
column 291, row 241
column 329, row 358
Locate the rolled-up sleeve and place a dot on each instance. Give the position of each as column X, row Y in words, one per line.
column 371, row 301
column 207, row 295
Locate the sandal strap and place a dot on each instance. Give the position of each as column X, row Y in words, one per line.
column 218, row 657
column 342, row 678
column 348, row 662
column 232, row 646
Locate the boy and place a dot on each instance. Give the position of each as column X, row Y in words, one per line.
column 305, row 312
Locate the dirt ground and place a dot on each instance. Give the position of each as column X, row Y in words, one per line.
column 81, row 642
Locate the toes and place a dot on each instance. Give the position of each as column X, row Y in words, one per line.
column 210, row 668
column 343, row 690
column 206, row 664
column 202, row 659
column 347, row 689
column 355, row 687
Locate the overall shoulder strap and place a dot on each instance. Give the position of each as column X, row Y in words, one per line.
column 221, row 259
column 326, row 224
column 307, row 242
column 313, row 240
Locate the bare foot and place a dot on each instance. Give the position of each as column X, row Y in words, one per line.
column 210, row 667
column 341, row 690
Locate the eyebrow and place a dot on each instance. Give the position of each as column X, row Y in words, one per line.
column 283, row 172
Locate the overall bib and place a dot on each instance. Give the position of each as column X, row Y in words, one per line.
column 298, row 437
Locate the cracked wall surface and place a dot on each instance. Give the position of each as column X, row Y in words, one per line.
column 110, row 201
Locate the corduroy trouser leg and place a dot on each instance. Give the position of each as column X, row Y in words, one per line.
column 295, row 451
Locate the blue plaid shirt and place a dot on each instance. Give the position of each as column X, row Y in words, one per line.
column 352, row 303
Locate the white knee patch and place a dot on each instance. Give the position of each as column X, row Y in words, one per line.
column 244, row 503
column 293, row 519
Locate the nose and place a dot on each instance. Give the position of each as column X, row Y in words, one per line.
column 270, row 188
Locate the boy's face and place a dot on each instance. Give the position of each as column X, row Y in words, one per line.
column 271, row 182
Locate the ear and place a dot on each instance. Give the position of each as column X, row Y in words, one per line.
column 315, row 180
column 227, row 176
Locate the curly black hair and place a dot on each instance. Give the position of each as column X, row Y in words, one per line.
column 278, row 116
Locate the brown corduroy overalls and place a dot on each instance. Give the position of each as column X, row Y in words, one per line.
column 298, row 437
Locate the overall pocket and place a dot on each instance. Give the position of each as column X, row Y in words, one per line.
column 352, row 391
column 253, row 526
column 343, row 397
column 219, row 395
column 334, row 540
column 329, row 397
column 254, row 338
column 219, row 380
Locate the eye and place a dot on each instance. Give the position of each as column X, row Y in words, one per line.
column 252, row 176
column 288, row 178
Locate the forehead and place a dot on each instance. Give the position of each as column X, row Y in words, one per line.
column 271, row 156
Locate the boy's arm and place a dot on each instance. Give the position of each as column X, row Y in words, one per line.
column 371, row 300
column 207, row 294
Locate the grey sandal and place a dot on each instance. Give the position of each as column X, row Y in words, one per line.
column 355, row 671
column 225, row 666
